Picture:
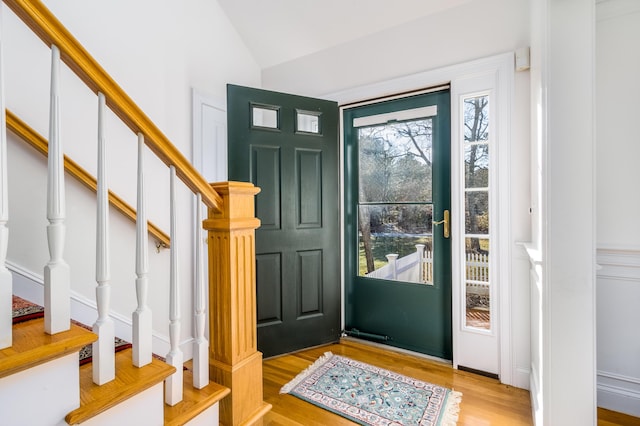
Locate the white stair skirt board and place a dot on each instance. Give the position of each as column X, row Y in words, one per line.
column 208, row 417
column 42, row 395
column 145, row 408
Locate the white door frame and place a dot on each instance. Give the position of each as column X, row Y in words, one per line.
column 461, row 78
column 209, row 157
column 209, row 136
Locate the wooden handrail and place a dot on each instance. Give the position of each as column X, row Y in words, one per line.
column 43, row 23
column 37, row 141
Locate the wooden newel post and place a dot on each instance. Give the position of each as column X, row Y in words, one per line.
column 234, row 360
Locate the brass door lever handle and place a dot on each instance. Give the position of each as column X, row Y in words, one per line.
column 444, row 222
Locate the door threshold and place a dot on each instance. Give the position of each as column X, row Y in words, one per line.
column 479, row 372
column 352, row 340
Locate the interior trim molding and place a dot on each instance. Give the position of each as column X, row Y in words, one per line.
column 618, row 264
column 619, row 399
column 618, row 377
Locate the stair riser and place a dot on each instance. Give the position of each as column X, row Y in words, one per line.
column 208, row 417
column 42, row 395
column 146, row 408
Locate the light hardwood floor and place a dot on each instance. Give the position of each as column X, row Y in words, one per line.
column 484, row 400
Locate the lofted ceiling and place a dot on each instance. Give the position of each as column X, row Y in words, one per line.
column 278, row 31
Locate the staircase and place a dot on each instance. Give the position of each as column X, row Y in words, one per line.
column 40, row 380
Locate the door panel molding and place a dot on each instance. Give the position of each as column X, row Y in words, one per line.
column 309, row 187
column 266, row 174
column 309, row 281
column 269, row 295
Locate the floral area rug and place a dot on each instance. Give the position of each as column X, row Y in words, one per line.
column 370, row 395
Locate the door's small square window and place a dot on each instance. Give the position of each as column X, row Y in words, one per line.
column 265, row 116
column 308, row 122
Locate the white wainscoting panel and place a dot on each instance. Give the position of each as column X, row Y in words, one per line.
column 618, row 330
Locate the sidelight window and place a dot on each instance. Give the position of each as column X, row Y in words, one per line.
column 477, row 138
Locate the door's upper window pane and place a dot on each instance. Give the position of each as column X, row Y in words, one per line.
column 308, row 122
column 476, row 119
column 395, row 162
column 265, row 116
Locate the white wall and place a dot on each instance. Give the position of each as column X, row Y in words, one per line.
column 157, row 51
column 618, row 147
column 477, row 29
column 618, row 227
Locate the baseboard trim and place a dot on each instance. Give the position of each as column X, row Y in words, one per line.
column 30, row 286
column 619, row 399
column 521, row 378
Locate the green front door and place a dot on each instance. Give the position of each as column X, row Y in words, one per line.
column 288, row 146
column 397, row 242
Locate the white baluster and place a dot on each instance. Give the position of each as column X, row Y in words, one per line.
column 173, row 384
column 103, row 348
column 201, row 344
column 56, row 272
column 6, row 282
column 142, row 315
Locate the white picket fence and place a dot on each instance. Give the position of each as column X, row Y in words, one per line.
column 418, row 267
column 477, row 273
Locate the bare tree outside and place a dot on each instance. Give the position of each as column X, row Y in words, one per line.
column 395, row 175
column 476, row 136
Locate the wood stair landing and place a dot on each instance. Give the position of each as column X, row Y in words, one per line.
column 32, row 346
column 129, row 381
column 195, row 401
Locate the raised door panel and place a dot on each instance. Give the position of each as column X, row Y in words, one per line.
column 266, row 174
column 309, row 188
column 269, row 293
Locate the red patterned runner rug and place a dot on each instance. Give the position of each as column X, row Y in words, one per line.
column 23, row 310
